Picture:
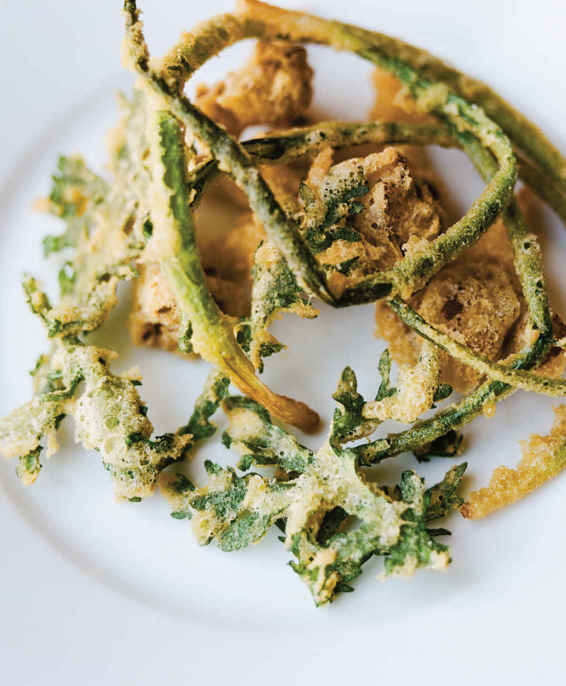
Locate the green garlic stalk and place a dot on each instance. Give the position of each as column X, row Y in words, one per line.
column 411, row 272
column 404, row 61
column 174, row 245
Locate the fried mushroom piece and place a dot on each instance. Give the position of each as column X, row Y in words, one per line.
column 274, row 88
column 475, row 303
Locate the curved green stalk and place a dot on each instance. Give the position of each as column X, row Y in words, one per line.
column 212, row 334
column 519, row 378
column 411, row 272
column 233, row 159
column 289, row 145
column 528, row 266
column 544, row 186
column 477, row 134
column 256, row 19
column 396, row 55
column 546, row 174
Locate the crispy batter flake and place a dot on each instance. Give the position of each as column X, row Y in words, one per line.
column 361, row 215
column 273, row 88
column 543, row 458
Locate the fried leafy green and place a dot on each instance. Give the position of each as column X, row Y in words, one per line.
column 319, row 495
column 275, row 290
column 104, row 228
column 214, row 391
column 109, row 417
column 162, row 154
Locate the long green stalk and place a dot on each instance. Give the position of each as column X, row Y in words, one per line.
column 396, row 55
column 528, row 266
column 233, row 159
column 413, row 271
column 519, row 378
column 212, row 334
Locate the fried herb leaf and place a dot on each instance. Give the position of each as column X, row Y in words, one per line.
column 108, row 418
column 318, row 494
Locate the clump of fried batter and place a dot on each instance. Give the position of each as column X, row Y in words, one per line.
column 475, row 303
column 273, row 87
column 398, row 204
column 543, row 458
column 507, row 329
column 477, row 300
column 154, row 320
column 393, row 103
column 392, row 207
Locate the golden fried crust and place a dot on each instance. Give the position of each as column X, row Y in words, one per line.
column 543, row 458
column 401, row 342
column 154, row 320
column 397, row 209
column 489, row 307
column 284, row 181
column 475, row 303
column 227, row 257
column 398, row 204
column 493, row 247
column 227, row 263
column 272, row 88
column 523, row 336
column 393, row 102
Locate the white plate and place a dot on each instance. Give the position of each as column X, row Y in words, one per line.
column 96, row 592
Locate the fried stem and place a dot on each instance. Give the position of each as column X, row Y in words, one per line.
column 475, row 132
column 264, row 21
column 288, row 145
column 396, row 55
column 212, row 333
column 528, row 266
column 231, row 157
column 519, row 378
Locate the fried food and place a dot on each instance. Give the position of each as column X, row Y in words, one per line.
column 475, row 303
column 224, row 236
column 360, row 215
column 273, row 88
column 543, row 458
